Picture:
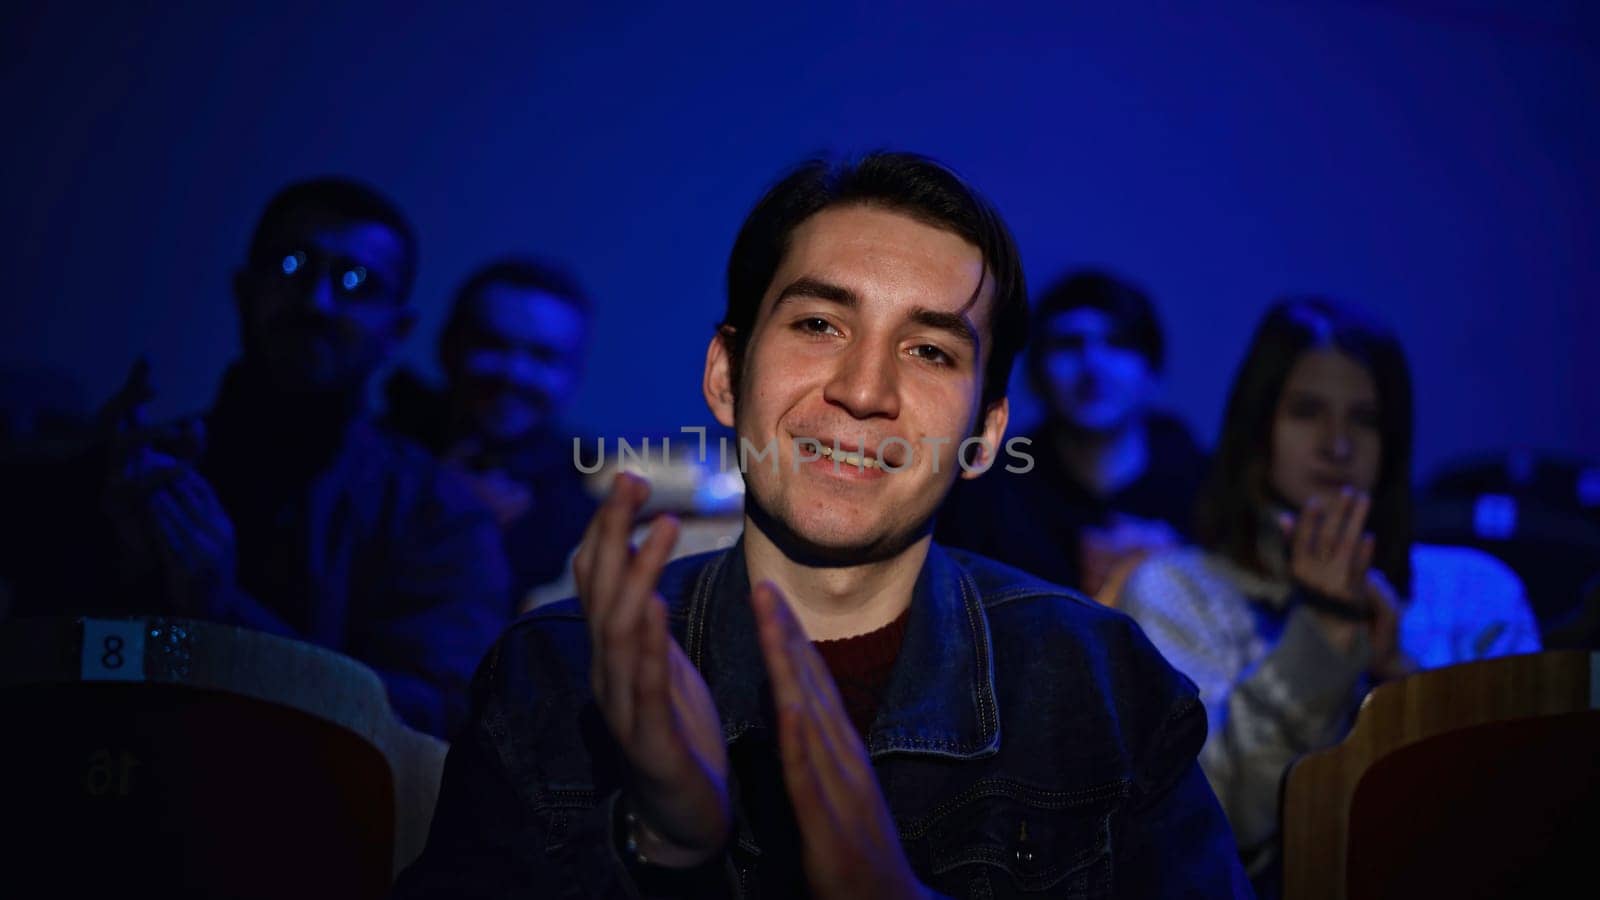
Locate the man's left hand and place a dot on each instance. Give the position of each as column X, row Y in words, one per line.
column 850, row 847
column 189, row 530
column 1102, row 552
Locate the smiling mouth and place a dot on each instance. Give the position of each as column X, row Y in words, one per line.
column 849, row 458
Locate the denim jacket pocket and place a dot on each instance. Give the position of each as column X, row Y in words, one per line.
column 561, row 809
column 1001, row 838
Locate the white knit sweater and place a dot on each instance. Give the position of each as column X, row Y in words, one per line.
column 1272, row 695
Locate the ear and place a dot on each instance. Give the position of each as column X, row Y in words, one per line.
column 717, row 384
column 995, row 420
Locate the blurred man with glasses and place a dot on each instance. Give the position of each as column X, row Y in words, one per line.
column 284, row 509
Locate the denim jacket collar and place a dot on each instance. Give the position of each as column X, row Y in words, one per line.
column 940, row 699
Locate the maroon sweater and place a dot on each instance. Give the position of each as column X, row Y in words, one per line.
column 861, row 667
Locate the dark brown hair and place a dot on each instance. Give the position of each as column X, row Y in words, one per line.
column 902, row 182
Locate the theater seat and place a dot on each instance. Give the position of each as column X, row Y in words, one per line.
column 1565, row 484
column 1554, row 553
column 1476, row 780
column 170, row 758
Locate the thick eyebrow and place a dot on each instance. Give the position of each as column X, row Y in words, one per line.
column 955, row 324
column 818, row 290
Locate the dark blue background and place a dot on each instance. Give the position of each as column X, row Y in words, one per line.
column 1439, row 162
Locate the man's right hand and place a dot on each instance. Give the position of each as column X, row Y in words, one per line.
column 121, row 426
column 655, row 703
column 165, row 515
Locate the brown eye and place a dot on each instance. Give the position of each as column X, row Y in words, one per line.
column 816, row 325
column 932, row 354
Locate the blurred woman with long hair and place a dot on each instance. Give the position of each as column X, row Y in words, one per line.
column 1306, row 587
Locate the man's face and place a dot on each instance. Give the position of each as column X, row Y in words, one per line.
column 1093, row 380
column 867, row 332
column 519, row 361
column 323, row 308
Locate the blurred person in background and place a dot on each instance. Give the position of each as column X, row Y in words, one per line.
column 1307, row 587
column 284, row 509
column 512, row 352
column 1113, row 479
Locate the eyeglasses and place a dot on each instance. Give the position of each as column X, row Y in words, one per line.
column 351, row 280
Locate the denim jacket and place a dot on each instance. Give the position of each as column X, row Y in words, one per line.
column 1030, row 743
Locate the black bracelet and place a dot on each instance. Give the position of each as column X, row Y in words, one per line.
column 1322, row 603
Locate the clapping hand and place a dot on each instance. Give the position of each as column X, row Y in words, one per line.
column 165, row 514
column 1331, row 554
column 851, row 848
column 654, row 702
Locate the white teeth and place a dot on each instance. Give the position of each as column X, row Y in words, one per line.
column 849, row 459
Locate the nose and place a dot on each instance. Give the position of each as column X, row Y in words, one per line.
column 1336, row 443
column 523, row 371
column 865, row 383
column 1094, row 351
column 318, row 296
